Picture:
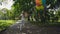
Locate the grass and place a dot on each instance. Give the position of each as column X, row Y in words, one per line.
column 58, row 20
column 6, row 23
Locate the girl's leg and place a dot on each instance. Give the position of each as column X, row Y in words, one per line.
column 20, row 27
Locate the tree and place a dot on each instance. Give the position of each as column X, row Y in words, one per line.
column 24, row 5
column 29, row 6
column 54, row 4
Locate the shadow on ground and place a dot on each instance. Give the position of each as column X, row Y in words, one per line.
column 28, row 28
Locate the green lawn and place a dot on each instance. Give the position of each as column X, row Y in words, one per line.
column 58, row 20
column 6, row 23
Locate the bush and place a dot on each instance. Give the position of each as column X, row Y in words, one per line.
column 5, row 23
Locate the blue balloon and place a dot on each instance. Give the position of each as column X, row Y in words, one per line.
column 44, row 2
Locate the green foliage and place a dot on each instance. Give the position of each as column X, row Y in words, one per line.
column 6, row 23
column 24, row 5
column 29, row 6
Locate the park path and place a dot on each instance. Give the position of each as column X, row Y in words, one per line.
column 31, row 29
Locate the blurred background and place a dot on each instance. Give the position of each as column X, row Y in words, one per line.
column 36, row 11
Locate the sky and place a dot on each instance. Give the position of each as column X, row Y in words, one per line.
column 6, row 4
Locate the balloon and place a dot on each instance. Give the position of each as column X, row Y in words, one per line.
column 44, row 2
column 38, row 2
column 40, row 7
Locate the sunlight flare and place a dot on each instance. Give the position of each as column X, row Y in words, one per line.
column 6, row 4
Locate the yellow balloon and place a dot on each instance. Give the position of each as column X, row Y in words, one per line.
column 40, row 7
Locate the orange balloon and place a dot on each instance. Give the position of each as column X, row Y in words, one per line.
column 38, row 2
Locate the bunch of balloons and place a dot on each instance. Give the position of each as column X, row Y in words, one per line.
column 40, row 4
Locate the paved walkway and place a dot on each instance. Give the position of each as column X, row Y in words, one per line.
column 31, row 29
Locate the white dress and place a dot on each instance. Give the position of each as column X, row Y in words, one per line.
column 22, row 21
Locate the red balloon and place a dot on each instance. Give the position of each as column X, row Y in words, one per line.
column 38, row 2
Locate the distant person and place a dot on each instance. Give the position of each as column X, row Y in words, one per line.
column 22, row 20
